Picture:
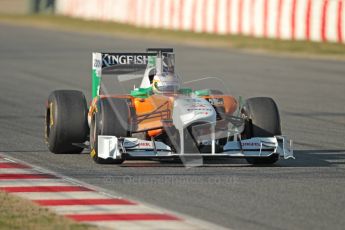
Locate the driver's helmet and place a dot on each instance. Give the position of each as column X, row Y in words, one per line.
column 167, row 82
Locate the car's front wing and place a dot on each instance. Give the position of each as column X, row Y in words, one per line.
column 113, row 147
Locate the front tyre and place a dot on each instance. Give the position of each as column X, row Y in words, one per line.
column 112, row 118
column 66, row 121
column 263, row 121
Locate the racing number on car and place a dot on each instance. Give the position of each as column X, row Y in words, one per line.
column 97, row 64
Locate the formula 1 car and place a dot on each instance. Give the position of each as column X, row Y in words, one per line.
column 160, row 119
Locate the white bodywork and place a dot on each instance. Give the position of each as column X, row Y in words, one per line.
column 145, row 83
column 188, row 110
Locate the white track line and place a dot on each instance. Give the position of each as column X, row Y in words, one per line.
column 60, row 195
column 18, row 171
column 36, row 182
column 149, row 225
column 98, row 209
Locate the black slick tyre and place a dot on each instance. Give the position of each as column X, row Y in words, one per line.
column 66, row 121
column 264, row 121
column 111, row 118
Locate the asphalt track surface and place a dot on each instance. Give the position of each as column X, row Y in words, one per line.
column 306, row 193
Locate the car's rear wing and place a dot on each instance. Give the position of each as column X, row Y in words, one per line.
column 121, row 63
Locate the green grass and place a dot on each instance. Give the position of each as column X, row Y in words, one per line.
column 17, row 213
column 229, row 41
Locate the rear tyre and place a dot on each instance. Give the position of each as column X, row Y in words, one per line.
column 264, row 121
column 112, row 118
column 66, row 121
